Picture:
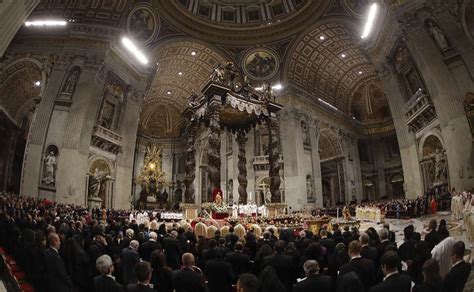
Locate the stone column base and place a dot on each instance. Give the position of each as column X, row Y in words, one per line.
column 93, row 203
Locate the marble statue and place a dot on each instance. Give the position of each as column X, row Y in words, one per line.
column 50, row 169
column 309, row 187
column 96, row 182
column 218, row 73
column 304, row 127
column 71, row 82
column 438, row 36
column 440, row 166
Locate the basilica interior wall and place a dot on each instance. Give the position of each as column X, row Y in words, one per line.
column 71, row 105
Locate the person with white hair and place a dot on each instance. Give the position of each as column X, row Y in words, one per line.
column 130, row 258
column 129, row 235
column 149, row 246
column 105, row 281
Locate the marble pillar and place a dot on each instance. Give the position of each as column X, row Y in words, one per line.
column 406, row 139
column 241, row 140
column 214, row 157
column 13, row 14
column 316, row 165
column 448, row 100
column 39, row 129
column 71, row 181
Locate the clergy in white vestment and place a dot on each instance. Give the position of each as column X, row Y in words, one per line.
column 235, row 210
column 442, row 253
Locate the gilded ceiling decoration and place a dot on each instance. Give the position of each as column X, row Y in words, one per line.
column 183, row 67
column 241, row 22
column 326, row 63
column 104, row 12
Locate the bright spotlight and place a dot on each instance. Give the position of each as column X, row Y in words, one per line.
column 277, row 87
column 370, row 21
column 37, row 83
column 46, row 23
column 129, row 45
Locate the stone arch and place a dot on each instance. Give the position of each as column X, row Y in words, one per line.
column 102, row 163
column 429, row 142
column 329, row 145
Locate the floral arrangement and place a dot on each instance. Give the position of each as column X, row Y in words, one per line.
column 219, row 209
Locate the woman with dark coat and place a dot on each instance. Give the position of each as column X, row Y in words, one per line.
column 161, row 275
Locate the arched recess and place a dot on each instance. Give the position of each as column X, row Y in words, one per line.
column 332, row 167
column 397, row 184
column 430, row 144
column 106, row 168
column 325, row 62
column 21, row 87
column 183, row 67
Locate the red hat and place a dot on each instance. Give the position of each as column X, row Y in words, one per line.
column 215, row 192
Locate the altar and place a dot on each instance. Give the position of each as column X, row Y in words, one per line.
column 372, row 214
column 229, row 102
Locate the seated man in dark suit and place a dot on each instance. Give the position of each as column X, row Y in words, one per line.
column 456, row 278
column 393, row 281
column 56, row 276
column 130, row 258
column 284, row 265
column 313, row 281
column 367, row 252
column 143, row 274
column 105, row 282
column 187, row 279
column 247, row 283
column 239, row 260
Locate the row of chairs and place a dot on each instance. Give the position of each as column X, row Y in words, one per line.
column 15, row 275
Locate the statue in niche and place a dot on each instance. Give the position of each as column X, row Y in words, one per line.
column 437, row 35
column 107, row 115
column 401, row 59
column 305, row 130
column 70, row 84
column 50, row 169
column 97, row 183
column 113, row 98
column 309, row 188
column 440, row 167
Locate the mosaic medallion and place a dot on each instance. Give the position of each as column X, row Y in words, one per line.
column 142, row 24
column 260, row 64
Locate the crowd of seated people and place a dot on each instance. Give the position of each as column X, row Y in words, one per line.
column 64, row 248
